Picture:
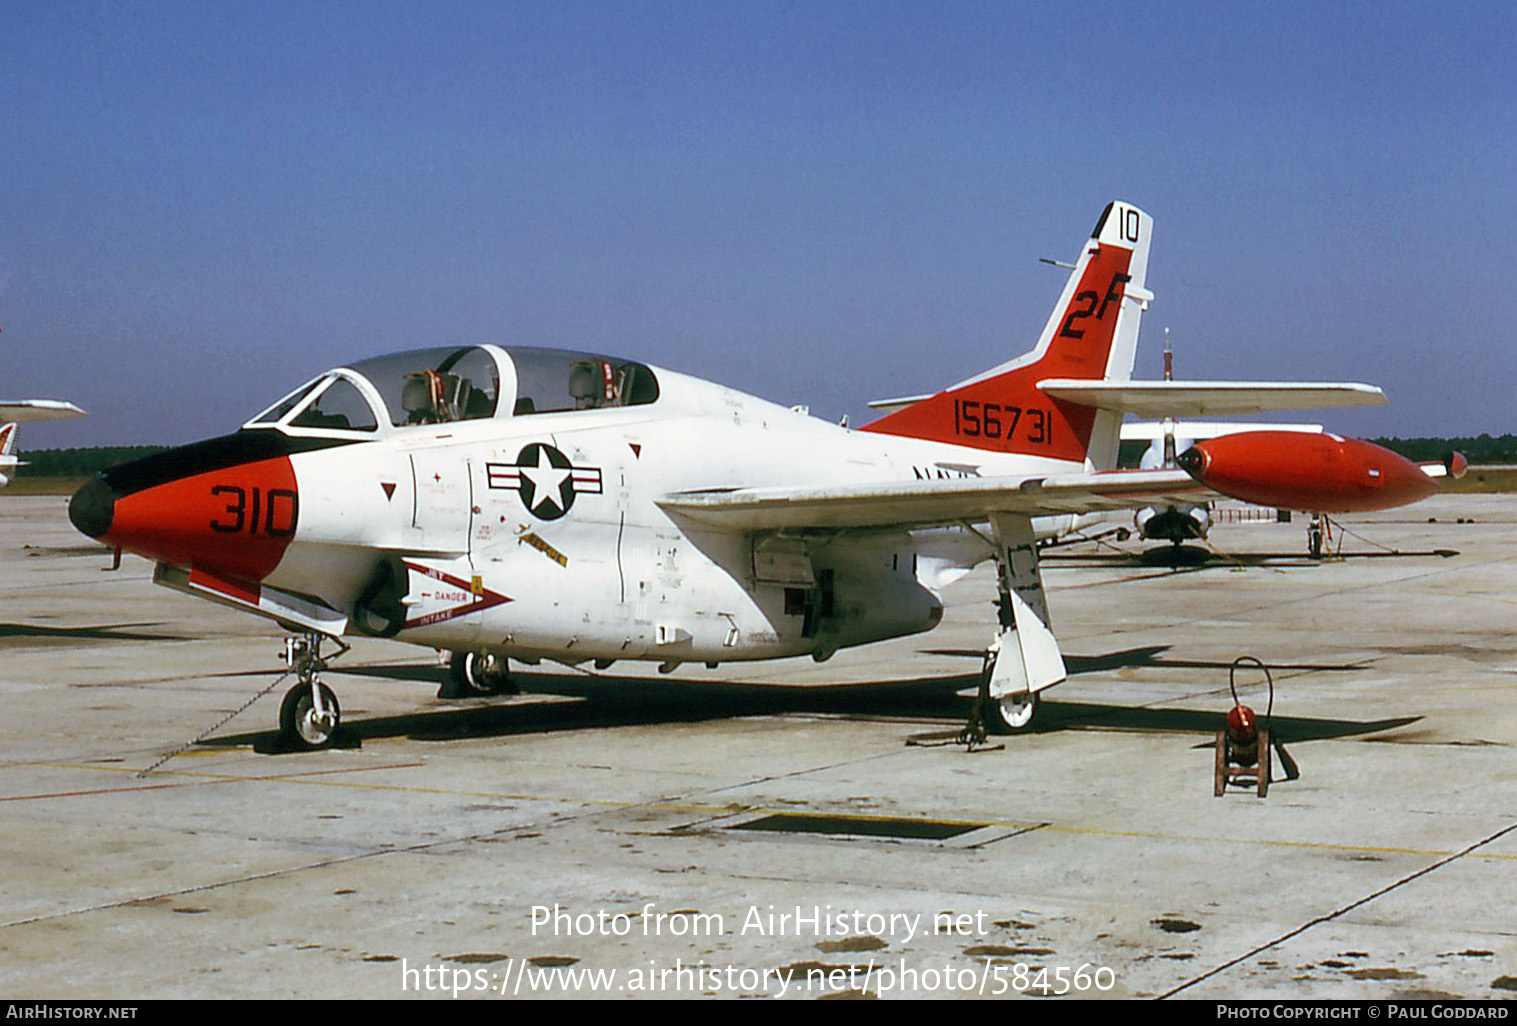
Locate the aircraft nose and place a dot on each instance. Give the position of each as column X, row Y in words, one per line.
column 228, row 505
column 93, row 508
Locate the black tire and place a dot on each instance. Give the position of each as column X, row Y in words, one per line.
column 297, row 720
column 1006, row 717
column 481, row 673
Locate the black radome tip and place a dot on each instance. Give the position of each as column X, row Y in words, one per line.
column 93, row 508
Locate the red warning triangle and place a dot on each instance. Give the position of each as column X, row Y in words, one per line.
column 637, row 450
column 389, row 488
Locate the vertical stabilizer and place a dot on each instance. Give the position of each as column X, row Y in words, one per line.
column 1092, row 334
column 8, row 460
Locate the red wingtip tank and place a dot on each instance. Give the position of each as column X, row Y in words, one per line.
column 1314, row 473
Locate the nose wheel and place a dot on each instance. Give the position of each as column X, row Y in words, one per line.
column 309, row 715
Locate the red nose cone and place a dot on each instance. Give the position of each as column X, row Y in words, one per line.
column 1314, row 473
column 237, row 520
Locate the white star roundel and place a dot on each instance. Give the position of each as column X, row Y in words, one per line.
column 545, row 478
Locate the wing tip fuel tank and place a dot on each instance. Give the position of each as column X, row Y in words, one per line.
column 1316, row 473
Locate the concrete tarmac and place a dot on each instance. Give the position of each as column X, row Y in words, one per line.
column 767, row 829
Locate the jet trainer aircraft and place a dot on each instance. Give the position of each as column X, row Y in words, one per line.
column 513, row 503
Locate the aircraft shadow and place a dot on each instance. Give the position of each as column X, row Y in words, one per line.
column 1189, row 558
column 1175, row 555
column 104, row 632
column 601, row 701
column 1150, row 656
column 609, row 701
column 1056, row 716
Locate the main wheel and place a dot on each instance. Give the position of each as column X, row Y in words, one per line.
column 1012, row 713
column 481, row 673
column 299, row 722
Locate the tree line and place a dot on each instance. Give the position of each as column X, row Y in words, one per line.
column 80, row 462
column 1477, row 449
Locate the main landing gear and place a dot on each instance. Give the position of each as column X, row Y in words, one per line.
column 476, row 674
column 1314, row 535
column 1012, row 712
column 1024, row 658
column 309, row 715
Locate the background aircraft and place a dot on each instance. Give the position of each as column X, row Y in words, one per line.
column 1179, row 522
column 14, row 411
column 512, row 503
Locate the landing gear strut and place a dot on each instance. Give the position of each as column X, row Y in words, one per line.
column 1024, row 658
column 309, row 715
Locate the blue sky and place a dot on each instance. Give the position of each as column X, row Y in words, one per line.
column 204, row 204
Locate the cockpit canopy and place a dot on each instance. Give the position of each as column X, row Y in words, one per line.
column 560, row 380
column 451, row 384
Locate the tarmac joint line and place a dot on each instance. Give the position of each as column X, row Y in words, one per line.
column 1329, row 917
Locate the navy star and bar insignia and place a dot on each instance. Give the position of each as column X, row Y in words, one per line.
column 547, row 481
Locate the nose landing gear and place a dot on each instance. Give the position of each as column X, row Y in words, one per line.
column 309, row 715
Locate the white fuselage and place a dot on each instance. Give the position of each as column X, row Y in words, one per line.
column 495, row 561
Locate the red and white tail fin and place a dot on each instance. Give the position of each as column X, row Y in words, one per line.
column 8, row 461
column 1092, row 334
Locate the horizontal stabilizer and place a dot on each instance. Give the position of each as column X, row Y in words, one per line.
column 1210, row 398
column 891, row 405
column 926, row 503
column 1195, row 430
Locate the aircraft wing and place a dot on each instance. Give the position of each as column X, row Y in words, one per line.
column 1210, row 398
column 927, row 503
column 20, row 410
